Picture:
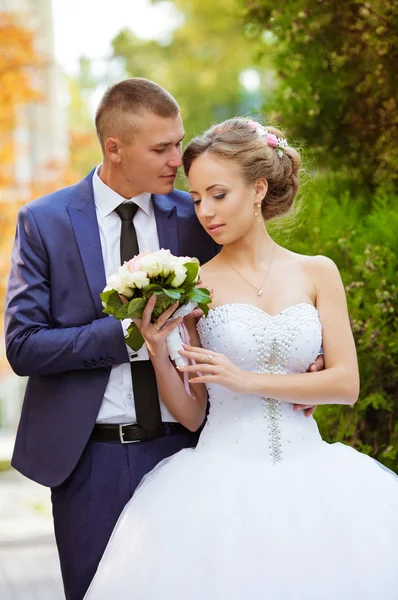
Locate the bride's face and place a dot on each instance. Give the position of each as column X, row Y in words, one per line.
column 224, row 202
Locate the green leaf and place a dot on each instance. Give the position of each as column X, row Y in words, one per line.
column 136, row 308
column 122, row 313
column 135, row 341
column 199, row 295
column 112, row 300
column 169, row 279
column 204, row 307
column 152, row 288
column 205, row 291
column 192, row 271
column 173, row 294
column 162, row 303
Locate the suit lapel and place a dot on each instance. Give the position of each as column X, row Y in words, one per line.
column 166, row 223
column 85, row 226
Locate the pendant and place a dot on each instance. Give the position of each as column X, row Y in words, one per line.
column 259, row 292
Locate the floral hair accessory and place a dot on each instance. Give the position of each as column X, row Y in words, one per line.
column 274, row 142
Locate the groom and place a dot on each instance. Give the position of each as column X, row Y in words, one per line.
column 92, row 424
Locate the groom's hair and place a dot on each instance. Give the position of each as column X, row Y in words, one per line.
column 133, row 96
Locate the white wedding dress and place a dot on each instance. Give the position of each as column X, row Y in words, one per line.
column 262, row 509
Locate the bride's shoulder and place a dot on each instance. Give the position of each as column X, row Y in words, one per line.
column 321, row 270
column 319, row 264
column 315, row 264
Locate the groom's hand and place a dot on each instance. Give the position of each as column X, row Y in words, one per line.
column 318, row 365
column 308, row 409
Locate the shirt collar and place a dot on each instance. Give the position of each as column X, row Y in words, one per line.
column 106, row 199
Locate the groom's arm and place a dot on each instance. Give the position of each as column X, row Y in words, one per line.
column 33, row 347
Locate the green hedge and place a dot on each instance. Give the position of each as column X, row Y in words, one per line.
column 359, row 232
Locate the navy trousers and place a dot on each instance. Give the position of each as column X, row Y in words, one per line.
column 88, row 504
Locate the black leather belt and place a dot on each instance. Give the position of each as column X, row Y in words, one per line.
column 127, row 434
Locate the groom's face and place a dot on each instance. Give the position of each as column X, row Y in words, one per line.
column 151, row 154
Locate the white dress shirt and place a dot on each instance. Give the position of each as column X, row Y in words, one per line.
column 118, row 402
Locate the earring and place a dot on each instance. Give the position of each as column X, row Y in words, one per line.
column 258, row 216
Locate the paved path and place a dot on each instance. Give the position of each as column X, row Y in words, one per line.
column 29, row 568
column 30, row 572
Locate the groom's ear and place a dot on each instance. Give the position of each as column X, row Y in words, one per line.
column 112, row 149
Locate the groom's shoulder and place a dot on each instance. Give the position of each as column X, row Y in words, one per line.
column 58, row 200
column 183, row 201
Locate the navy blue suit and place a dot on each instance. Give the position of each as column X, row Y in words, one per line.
column 57, row 334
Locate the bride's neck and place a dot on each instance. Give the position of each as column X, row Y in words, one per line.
column 250, row 251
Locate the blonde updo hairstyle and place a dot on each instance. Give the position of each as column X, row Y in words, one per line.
column 239, row 142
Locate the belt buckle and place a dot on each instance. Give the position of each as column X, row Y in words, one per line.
column 121, row 434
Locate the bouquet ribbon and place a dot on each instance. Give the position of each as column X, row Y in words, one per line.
column 180, row 336
column 186, row 339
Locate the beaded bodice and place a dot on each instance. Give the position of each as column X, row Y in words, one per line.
column 256, row 341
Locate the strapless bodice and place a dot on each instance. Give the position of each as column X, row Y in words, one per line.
column 285, row 343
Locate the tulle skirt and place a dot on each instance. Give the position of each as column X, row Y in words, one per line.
column 207, row 526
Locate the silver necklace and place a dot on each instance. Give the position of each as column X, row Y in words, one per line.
column 259, row 289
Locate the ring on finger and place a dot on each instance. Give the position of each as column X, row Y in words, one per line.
column 208, row 358
column 156, row 327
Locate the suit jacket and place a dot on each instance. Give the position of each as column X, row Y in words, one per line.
column 56, row 332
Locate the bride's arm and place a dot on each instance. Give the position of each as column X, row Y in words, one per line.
column 337, row 384
column 190, row 411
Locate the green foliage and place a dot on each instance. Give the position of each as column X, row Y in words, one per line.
column 134, row 340
column 336, row 65
column 112, row 301
column 337, row 222
column 192, row 272
column 136, row 307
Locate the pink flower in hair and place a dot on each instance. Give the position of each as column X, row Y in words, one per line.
column 253, row 124
column 272, row 140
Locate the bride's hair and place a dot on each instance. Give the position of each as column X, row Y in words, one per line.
column 245, row 142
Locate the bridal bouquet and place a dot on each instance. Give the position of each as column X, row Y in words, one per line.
column 171, row 278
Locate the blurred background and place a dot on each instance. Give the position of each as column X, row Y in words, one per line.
column 324, row 71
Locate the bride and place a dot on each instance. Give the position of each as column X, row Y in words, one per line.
column 263, row 508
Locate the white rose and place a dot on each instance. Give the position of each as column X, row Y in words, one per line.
column 187, row 259
column 166, row 261
column 115, row 282
column 126, row 277
column 150, row 265
column 180, row 275
column 140, row 280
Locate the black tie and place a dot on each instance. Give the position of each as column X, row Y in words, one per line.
column 146, row 396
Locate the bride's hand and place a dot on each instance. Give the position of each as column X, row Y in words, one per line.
column 155, row 334
column 215, row 368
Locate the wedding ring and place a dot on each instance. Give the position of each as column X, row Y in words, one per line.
column 156, row 327
column 208, row 358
